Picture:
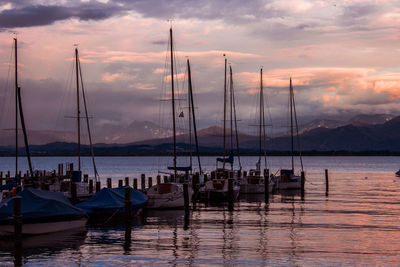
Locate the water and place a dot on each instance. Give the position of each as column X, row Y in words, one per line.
column 356, row 224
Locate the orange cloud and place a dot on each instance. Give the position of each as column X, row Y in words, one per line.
column 111, row 77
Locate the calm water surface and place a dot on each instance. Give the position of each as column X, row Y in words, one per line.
column 356, row 224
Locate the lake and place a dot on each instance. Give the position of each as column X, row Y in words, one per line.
column 355, row 224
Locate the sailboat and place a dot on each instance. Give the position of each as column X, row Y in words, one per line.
column 19, row 113
column 170, row 194
column 75, row 176
column 217, row 188
column 253, row 183
column 287, row 178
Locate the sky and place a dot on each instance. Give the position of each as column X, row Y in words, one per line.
column 343, row 57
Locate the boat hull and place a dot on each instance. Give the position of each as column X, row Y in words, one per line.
column 254, row 188
column 44, row 228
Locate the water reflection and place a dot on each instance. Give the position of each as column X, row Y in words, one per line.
column 356, row 224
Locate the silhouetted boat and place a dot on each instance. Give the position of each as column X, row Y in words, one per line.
column 287, row 178
column 254, row 182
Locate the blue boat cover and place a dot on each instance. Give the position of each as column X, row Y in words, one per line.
column 182, row 169
column 227, row 160
column 38, row 204
column 112, row 200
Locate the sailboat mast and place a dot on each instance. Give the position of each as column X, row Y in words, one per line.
column 173, row 99
column 224, row 155
column 291, row 121
column 260, row 126
column 78, row 109
column 16, row 107
column 263, row 121
column 193, row 114
column 231, row 108
column 190, row 114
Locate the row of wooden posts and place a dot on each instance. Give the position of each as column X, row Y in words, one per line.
column 128, row 198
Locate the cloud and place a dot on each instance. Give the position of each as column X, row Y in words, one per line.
column 37, row 15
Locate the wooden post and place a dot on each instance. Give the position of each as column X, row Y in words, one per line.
column 266, row 186
column 326, row 182
column 239, row 174
column 17, row 217
column 244, row 173
column 158, row 179
column 128, row 211
column 120, row 183
column 1, row 178
column 205, row 178
column 85, row 178
column 212, row 175
column 135, row 183
column 186, row 197
column 165, row 180
column 74, row 195
column 231, row 174
column 303, row 180
column 90, row 186
column 71, row 167
column 230, row 194
column 150, row 182
column 109, row 183
column 195, row 181
column 126, row 181
column 98, row 186
column 143, row 181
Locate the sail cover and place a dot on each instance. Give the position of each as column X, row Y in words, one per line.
column 227, row 160
column 112, row 200
column 41, row 206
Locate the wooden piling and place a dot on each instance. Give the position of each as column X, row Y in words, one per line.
column 150, row 181
column 1, row 178
column 303, row 180
column 212, row 175
column 85, row 178
column 158, row 179
column 74, row 194
column 128, row 208
column 239, row 174
column 165, row 180
column 244, row 173
column 71, row 167
column 17, row 217
column 90, row 186
column 266, row 186
column 135, row 183
column 186, row 197
column 143, row 181
column 120, row 183
column 126, row 181
column 109, row 183
column 98, row 186
column 230, row 194
column 326, row 182
column 60, row 170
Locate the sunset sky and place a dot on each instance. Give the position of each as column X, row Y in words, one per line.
column 343, row 56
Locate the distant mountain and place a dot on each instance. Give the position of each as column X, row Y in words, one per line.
column 378, row 137
column 105, row 134
column 359, row 120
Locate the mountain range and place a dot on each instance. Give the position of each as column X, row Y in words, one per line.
column 382, row 134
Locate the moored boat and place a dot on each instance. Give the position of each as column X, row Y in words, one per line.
column 287, row 178
column 109, row 204
column 167, row 196
column 42, row 212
